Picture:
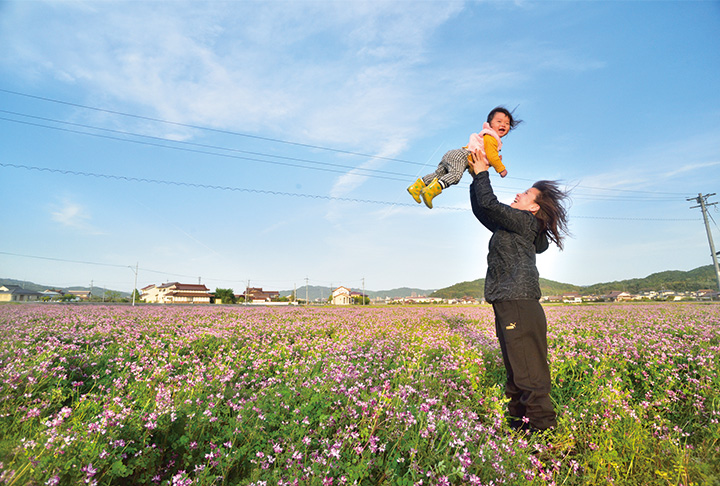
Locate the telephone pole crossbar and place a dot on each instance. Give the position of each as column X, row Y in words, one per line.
column 703, row 204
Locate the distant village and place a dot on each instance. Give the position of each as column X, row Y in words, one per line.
column 181, row 293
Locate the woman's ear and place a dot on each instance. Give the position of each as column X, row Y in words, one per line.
column 534, row 208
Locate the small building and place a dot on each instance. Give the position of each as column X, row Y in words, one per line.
column 257, row 294
column 707, row 294
column 15, row 293
column 52, row 294
column 341, row 296
column 617, row 296
column 176, row 293
column 572, row 298
column 81, row 294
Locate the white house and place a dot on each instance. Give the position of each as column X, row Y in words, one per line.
column 341, row 296
column 176, row 293
column 14, row 293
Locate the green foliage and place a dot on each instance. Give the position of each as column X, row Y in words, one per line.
column 675, row 280
column 389, row 396
column 226, row 296
column 476, row 289
column 679, row 281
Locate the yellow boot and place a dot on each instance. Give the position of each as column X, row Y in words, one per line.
column 430, row 192
column 416, row 189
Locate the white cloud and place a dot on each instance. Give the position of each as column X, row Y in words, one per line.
column 74, row 215
column 244, row 66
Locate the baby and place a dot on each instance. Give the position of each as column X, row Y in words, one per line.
column 485, row 145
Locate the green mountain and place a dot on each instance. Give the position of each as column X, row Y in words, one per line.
column 677, row 280
column 315, row 293
column 96, row 291
column 476, row 289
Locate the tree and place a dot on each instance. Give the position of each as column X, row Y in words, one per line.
column 113, row 296
column 226, row 296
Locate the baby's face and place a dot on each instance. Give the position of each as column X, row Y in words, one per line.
column 500, row 123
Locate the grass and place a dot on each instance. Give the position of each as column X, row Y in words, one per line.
column 332, row 396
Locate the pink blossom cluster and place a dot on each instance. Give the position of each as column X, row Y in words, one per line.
column 190, row 395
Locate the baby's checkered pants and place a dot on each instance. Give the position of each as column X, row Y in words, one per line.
column 450, row 169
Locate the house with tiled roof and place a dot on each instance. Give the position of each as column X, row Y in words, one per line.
column 257, row 294
column 341, row 296
column 15, row 293
column 176, row 293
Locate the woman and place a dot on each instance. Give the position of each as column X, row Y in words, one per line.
column 512, row 287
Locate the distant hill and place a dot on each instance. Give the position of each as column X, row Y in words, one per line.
column 476, row 289
column 323, row 293
column 96, row 291
column 677, row 280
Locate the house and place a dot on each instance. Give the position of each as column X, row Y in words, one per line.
column 423, row 300
column 572, row 298
column 358, row 297
column 341, row 296
column 15, row 293
column 706, row 294
column 176, row 293
column 81, row 294
column 52, row 294
column 257, row 294
column 617, row 296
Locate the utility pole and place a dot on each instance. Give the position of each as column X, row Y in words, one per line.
column 702, row 201
column 363, row 295
column 135, row 286
column 307, row 301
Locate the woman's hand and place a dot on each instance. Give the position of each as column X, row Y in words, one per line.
column 477, row 164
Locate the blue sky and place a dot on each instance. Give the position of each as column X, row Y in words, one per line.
column 272, row 142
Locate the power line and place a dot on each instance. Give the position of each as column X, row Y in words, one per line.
column 616, row 218
column 703, row 204
column 182, row 142
column 229, row 132
column 350, row 168
column 83, row 262
column 197, row 127
column 275, row 193
column 64, row 260
column 147, row 270
column 370, row 171
column 98, row 135
column 207, row 186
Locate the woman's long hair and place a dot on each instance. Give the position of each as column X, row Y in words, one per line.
column 552, row 213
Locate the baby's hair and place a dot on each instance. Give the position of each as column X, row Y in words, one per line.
column 501, row 109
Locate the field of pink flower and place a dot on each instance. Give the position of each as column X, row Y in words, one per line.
column 337, row 396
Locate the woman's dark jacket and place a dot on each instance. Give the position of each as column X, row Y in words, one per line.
column 511, row 272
